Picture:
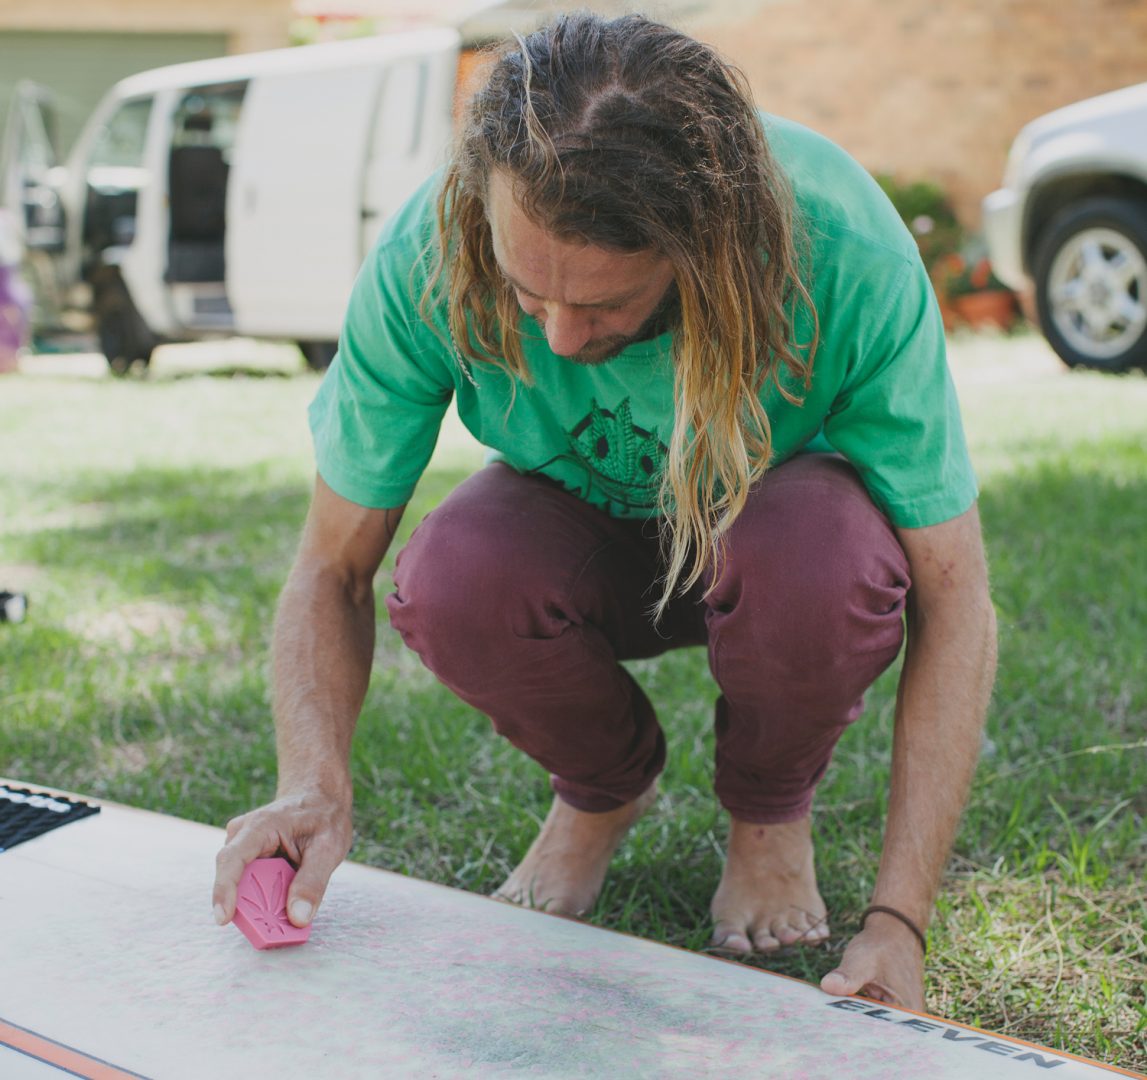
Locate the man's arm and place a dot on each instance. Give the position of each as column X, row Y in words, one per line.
column 322, row 649
column 945, row 686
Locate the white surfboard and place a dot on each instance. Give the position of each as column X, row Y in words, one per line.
column 111, row 966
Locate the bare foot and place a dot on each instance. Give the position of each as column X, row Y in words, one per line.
column 768, row 895
column 564, row 869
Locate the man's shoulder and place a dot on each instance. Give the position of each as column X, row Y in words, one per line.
column 837, row 199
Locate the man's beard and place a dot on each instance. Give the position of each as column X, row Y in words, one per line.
column 664, row 317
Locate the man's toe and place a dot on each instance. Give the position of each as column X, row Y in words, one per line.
column 816, row 933
column 765, row 940
column 728, row 937
column 799, row 928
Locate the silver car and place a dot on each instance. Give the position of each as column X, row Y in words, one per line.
column 1070, row 226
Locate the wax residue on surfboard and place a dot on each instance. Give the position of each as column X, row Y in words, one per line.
column 261, row 905
column 446, row 984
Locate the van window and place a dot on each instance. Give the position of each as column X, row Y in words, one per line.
column 116, row 175
column 206, row 120
column 120, row 142
column 209, row 116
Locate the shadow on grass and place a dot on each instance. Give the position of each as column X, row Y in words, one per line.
column 1067, row 538
column 187, row 533
column 230, row 371
column 1066, row 543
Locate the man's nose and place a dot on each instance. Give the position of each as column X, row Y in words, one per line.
column 568, row 331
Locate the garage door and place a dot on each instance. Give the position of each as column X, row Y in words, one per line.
column 79, row 67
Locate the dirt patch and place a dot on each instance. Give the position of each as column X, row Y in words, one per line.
column 131, row 624
column 132, row 758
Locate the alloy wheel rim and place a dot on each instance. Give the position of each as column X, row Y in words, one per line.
column 1097, row 292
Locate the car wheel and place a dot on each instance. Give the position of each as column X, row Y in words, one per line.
column 124, row 338
column 318, row 354
column 1091, row 284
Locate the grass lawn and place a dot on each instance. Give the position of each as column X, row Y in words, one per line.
column 152, row 521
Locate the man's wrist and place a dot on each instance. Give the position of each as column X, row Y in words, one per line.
column 893, row 916
column 329, row 785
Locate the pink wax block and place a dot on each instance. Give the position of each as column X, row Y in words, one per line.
column 261, row 907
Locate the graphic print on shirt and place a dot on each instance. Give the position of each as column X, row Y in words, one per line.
column 622, row 463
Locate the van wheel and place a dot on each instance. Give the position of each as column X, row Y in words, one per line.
column 124, row 337
column 1091, row 284
column 318, row 354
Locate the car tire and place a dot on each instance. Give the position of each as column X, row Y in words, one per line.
column 123, row 335
column 318, row 354
column 1090, row 271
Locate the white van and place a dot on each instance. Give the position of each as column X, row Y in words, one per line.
column 230, row 196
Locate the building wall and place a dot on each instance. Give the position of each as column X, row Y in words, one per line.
column 249, row 25
column 80, row 48
column 926, row 89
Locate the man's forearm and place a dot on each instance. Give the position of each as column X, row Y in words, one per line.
column 322, row 651
column 321, row 657
column 942, row 701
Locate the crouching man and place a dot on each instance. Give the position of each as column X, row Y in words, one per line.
column 707, row 360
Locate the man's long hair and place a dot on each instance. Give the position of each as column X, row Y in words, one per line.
column 630, row 136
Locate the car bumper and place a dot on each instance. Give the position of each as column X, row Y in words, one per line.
column 1003, row 231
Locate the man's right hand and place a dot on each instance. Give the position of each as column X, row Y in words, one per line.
column 312, row 829
column 322, row 651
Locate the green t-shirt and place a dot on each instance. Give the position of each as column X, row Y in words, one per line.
column 881, row 394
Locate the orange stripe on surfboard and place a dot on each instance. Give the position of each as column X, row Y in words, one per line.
column 63, row 1057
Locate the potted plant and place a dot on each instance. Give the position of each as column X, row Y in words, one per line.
column 971, row 292
column 968, row 292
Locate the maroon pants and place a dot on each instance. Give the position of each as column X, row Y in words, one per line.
column 522, row 599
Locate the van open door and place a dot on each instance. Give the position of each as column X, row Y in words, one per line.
column 27, row 158
column 28, row 176
column 324, row 149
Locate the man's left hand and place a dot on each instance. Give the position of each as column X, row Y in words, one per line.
column 883, row 962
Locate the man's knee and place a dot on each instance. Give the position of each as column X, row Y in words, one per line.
column 464, row 577
column 813, row 581
column 491, row 566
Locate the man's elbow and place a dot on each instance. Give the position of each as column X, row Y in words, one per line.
column 320, row 578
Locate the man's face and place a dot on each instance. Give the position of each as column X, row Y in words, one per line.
column 591, row 302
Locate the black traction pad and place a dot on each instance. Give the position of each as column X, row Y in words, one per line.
column 26, row 814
